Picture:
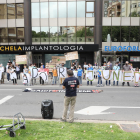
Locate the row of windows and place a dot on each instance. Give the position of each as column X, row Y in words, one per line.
column 62, row 9
column 11, row 35
column 121, row 34
column 63, row 34
column 11, row 11
column 121, row 8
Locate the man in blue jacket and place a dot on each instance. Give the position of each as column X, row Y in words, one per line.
column 89, row 68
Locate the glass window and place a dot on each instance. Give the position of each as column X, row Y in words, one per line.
column 44, row 9
column 62, row 34
column 12, row 35
column 44, row 34
column 71, row 9
column 19, row 11
column 62, row 9
column 53, row 34
column 53, row 9
column 20, row 34
column 125, row 33
column 134, row 5
column 4, row 35
column 11, row 10
column 139, row 4
column 80, row 34
column 126, row 8
column 116, row 8
column 71, row 32
column 35, row 10
column 3, row 11
column 80, row 8
column 89, row 9
column 115, row 34
column 90, row 6
column 89, row 34
column 106, row 5
column 134, row 33
column 35, row 34
column 106, row 34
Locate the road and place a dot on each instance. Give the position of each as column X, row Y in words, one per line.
column 113, row 104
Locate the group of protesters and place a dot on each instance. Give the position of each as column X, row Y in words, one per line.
column 79, row 71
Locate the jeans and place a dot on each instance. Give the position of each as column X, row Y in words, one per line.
column 18, row 74
column 107, row 82
column 54, row 80
column 80, row 79
column 88, row 82
column 114, row 83
column 8, row 76
column 99, row 80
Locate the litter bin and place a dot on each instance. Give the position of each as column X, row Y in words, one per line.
column 47, row 109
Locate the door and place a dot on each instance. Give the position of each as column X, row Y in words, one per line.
column 37, row 59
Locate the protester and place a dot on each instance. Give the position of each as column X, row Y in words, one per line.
column 99, row 77
column 80, row 74
column 119, row 64
column 8, row 74
column 89, row 68
column 43, row 65
column 54, row 71
column 41, row 70
column 131, row 66
column 108, row 68
column 95, row 64
column 25, row 70
column 18, row 71
column 75, row 72
column 116, row 68
column 14, row 63
column 126, row 67
column 2, row 73
column 47, row 70
column 85, row 72
column 13, row 78
column 70, row 84
column 136, row 84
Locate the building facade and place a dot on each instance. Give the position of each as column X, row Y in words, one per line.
column 100, row 30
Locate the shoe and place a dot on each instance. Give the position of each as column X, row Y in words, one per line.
column 98, row 85
column 128, row 84
column 62, row 120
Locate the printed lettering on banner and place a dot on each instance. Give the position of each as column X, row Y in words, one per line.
column 62, row 72
column 34, row 73
column 26, row 79
column 106, row 74
column 136, row 77
column 13, row 75
column 117, row 75
column 90, row 75
column 44, row 76
column 127, row 76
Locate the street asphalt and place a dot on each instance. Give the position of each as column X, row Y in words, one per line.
column 115, row 103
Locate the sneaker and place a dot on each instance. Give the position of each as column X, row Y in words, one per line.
column 98, row 85
column 62, row 120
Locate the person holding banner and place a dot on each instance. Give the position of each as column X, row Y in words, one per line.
column 80, row 74
column 13, row 75
column 41, row 79
column 89, row 68
column 99, row 77
column 109, row 67
column 62, row 79
column 116, row 68
column 54, row 71
column 137, row 70
column 126, row 67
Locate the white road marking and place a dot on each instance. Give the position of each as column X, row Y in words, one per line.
column 5, row 99
column 98, row 110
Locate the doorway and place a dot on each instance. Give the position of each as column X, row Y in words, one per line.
column 37, row 59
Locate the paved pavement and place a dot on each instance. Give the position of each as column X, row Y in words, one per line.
column 115, row 103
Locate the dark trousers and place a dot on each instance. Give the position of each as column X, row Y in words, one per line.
column 8, row 76
column 88, row 82
column 124, row 83
column 18, row 74
column 107, row 82
column 99, row 80
column 14, row 81
column 114, row 83
column 41, row 81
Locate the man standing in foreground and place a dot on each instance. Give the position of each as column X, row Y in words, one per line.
column 70, row 84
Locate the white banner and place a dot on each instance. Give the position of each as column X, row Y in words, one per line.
column 26, row 78
column 106, row 74
column 90, row 75
column 0, row 74
column 44, row 76
column 117, row 75
column 13, row 75
column 62, row 72
column 34, row 73
column 75, row 73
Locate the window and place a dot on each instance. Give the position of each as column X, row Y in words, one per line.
column 53, row 9
column 71, row 9
column 44, row 34
column 3, row 11
column 62, row 34
column 123, row 10
column 53, row 34
column 62, row 9
column 36, row 34
column 80, row 34
column 71, row 32
column 12, row 35
column 11, row 11
column 20, row 34
column 134, row 5
column 80, row 8
column 19, row 11
column 35, row 10
column 125, row 33
column 139, row 4
column 44, row 9
column 89, row 9
column 89, row 34
column 115, row 34
column 3, row 35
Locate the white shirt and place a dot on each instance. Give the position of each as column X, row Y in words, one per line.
column 2, row 69
column 13, row 63
column 17, row 68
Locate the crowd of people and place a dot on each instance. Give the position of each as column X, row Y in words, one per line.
column 79, row 71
